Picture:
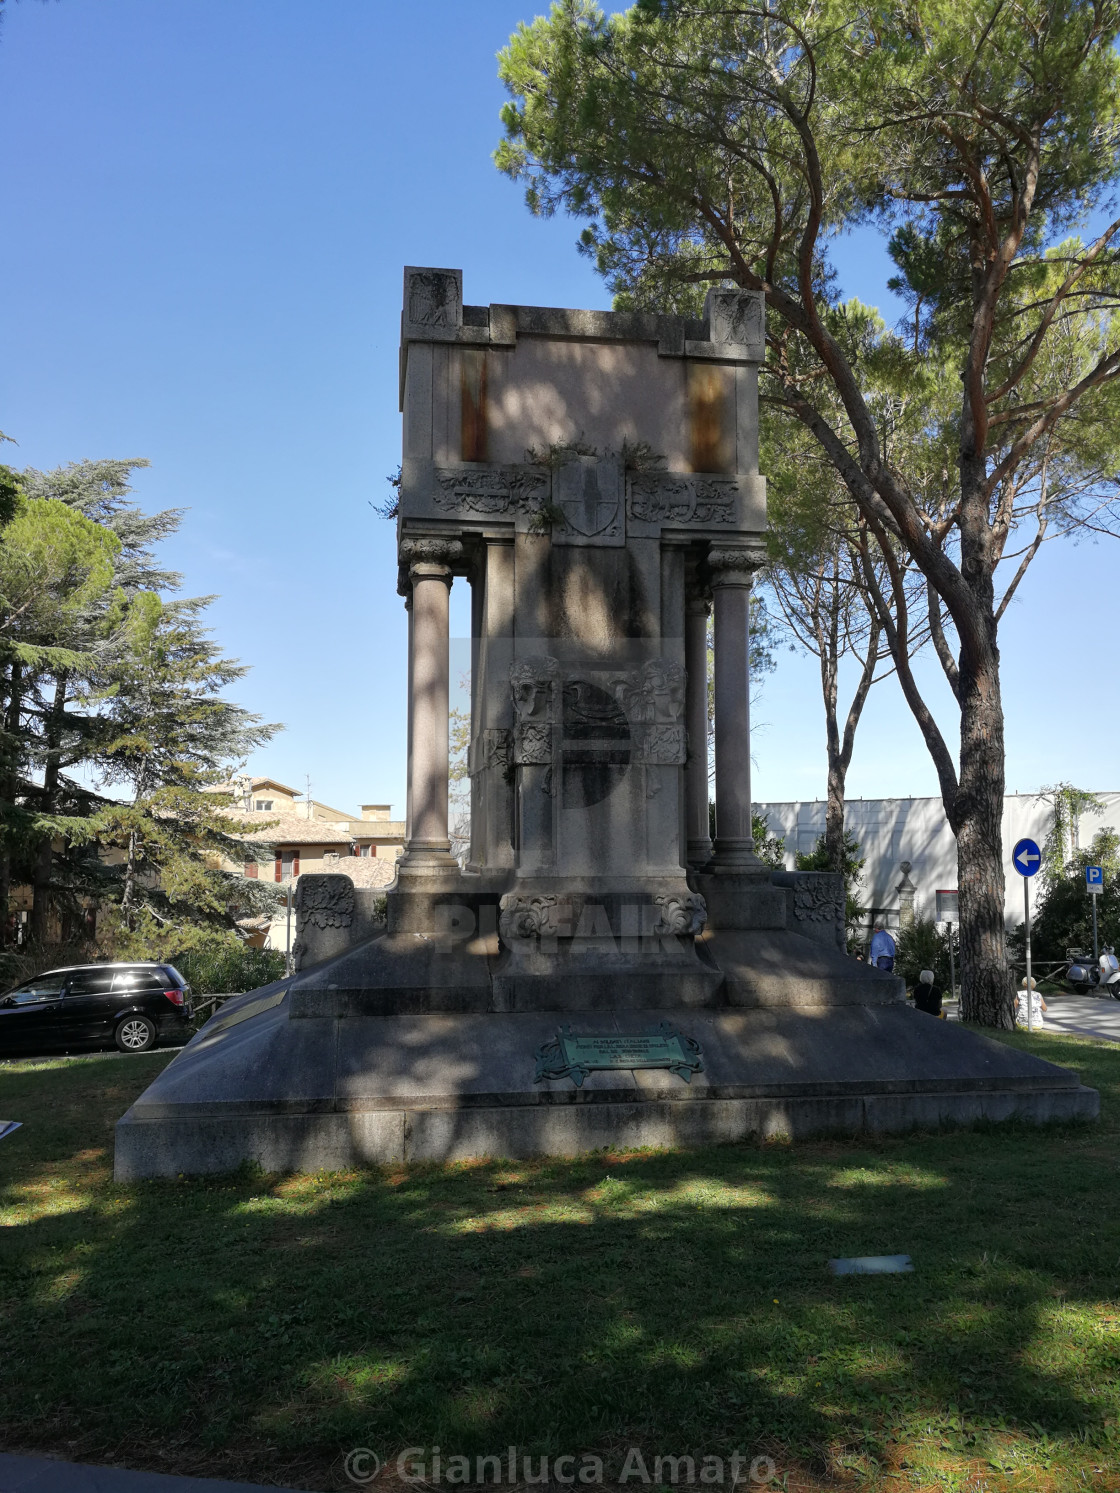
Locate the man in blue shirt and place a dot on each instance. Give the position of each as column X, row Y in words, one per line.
column 882, row 949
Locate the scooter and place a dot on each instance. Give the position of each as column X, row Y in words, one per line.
column 1102, row 978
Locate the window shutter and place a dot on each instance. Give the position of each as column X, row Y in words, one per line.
column 251, row 870
column 279, row 868
column 295, row 864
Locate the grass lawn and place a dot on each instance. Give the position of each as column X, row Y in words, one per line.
column 259, row 1327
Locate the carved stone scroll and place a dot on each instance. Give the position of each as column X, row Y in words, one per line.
column 681, row 912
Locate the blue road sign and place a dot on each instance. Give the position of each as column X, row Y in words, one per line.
column 1094, row 878
column 1026, row 858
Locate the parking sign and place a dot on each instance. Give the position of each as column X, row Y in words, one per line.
column 1094, row 879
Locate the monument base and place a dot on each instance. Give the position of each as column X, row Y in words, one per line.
column 444, row 1039
column 259, row 1084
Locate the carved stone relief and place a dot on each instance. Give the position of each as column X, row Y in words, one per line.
column 666, row 497
column 521, row 918
column 325, row 901
column 736, row 319
column 433, row 300
column 503, row 490
column 681, row 912
column 815, row 899
column 587, row 490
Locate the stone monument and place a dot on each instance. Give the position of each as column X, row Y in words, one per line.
column 600, row 971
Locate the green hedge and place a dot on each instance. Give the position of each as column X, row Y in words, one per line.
column 227, row 971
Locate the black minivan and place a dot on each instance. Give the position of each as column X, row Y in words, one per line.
column 133, row 1005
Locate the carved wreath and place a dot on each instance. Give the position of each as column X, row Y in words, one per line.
column 815, row 899
column 325, row 901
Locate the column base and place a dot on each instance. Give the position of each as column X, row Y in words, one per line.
column 698, row 853
column 428, row 858
column 736, row 855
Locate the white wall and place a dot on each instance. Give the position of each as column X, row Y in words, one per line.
column 892, row 830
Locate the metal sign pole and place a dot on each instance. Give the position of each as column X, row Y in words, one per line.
column 1027, row 920
column 952, row 967
column 1096, row 948
column 288, row 935
column 1027, row 858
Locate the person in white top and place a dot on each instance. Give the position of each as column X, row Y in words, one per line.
column 1038, row 1005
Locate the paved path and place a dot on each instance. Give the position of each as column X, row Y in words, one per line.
column 1084, row 1015
column 45, row 1475
column 1080, row 1015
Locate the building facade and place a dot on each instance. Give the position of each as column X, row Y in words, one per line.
column 911, row 853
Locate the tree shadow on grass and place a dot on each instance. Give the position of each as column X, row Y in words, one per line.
column 259, row 1327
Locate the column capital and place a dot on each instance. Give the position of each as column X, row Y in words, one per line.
column 735, row 565
column 698, row 602
column 430, row 558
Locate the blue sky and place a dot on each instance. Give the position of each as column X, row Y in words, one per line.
column 207, row 208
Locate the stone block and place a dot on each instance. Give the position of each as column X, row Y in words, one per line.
column 743, row 900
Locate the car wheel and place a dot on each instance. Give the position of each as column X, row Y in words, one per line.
column 135, row 1034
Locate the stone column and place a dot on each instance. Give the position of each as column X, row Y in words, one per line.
column 698, row 842
column 429, row 561
column 732, row 573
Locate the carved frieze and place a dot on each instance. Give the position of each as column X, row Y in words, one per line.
column 510, row 490
column 678, row 499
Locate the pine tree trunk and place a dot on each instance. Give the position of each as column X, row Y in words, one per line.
column 44, row 859
column 987, row 994
column 9, row 788
column 129, row 896
column 834, row 810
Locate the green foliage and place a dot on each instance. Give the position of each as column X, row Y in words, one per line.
column 221, row 969
column 103, row 681
column 172, row 736
column 770, row 849
column 1063, row 917
column 851, row 868
column 705, row 143
column 1059, row 846
column 922, row 945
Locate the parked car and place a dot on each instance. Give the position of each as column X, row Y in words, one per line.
column 133, row 1005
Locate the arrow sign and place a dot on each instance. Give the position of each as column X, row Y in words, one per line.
column 1094, row 879
column 1026, row 858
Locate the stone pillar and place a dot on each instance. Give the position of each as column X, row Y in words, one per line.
column 428, row 847
column 698, row 842
column 732, row 573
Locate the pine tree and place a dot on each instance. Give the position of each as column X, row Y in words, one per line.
column 173, row 737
